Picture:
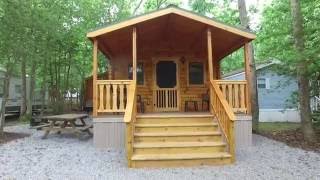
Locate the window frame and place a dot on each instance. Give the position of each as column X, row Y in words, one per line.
column 143, row 71
column 188, row 73
column 266, row 83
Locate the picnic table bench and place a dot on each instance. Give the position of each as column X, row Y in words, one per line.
column 65, row 123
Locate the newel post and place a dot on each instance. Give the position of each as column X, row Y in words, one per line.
column 94, row 77
column 134, row 54
column 248, row 76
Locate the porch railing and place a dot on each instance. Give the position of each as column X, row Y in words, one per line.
column 166, row 99
column 235, row 94
column 225, row 115
column 112, row 95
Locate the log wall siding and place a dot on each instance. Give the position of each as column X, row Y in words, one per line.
column 120, row 68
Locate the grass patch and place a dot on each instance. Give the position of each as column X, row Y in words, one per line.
column 277, row 126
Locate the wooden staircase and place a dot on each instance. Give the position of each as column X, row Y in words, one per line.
column 178, row 140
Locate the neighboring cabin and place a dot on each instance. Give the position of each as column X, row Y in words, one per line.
column 275, row 92
column 15, row 90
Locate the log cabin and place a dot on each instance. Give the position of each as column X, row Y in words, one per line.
column 163, row 100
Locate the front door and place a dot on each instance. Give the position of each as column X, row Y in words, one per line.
column 166, row 88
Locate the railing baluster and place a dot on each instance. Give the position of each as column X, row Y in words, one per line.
column 115, row 94
column 108, row 96
column 121, row 98
column 101, row 96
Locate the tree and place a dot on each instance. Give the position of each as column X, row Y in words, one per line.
column 253, row 78
column 302, row 71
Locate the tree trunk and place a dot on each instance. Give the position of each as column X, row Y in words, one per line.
column 31, row 89
column 253, row 77
column 302, row 74
column 23, row 88
column 4, row 100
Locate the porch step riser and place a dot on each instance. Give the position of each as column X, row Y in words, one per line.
column 180, row 163
column 179, row 139
column 178, row 142
column 175, row 129
column 190, row 150
column 174, row 120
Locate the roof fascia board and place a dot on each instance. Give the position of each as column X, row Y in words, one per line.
column 166, row 11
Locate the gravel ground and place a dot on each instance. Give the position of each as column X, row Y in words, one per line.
column 66, row 157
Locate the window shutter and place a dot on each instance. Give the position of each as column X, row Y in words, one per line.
column 267, row 83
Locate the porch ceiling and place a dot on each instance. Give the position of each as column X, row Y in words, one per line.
column 171, row 33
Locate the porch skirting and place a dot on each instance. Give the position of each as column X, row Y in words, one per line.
column 243, row 132
column 109, row 132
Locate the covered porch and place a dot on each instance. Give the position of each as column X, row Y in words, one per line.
column 177, row 64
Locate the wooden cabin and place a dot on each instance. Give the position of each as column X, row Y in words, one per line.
column 175, row 110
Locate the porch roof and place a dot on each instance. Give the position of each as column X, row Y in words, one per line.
column 171, row 28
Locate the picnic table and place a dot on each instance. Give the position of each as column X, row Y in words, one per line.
column 66, row 123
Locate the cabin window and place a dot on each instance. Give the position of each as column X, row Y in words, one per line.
column 140, row 73
column 263, row 83
column 196, row 73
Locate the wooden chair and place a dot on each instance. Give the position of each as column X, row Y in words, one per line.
column 140, row 104
column 205, row 98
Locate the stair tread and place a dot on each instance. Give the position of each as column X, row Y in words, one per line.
column 186, row 133
column 177, row 144
column 175, row 124
column 168, row 115
column 141, row 157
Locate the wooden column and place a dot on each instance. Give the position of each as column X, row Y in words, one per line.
column 134, row 54
column 210, row 65
column 110, row 70
column 248, row 75
column 210, row 59
column 94, row 77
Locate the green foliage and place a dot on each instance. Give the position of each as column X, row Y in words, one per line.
column 25, row 118
column 223, row 11
column 277, row 126
column 52, row 35
column 157, row 4
column 275, row 37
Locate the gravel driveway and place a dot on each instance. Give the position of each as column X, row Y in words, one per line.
column 66, row 157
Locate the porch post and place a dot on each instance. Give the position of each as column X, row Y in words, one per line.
column 110, row 70
column 248, row 75
column 134, row 54
column 210, row 65
column 94, row 76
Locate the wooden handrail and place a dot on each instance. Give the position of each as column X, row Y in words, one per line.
column 225, row 116
column 114, row 81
